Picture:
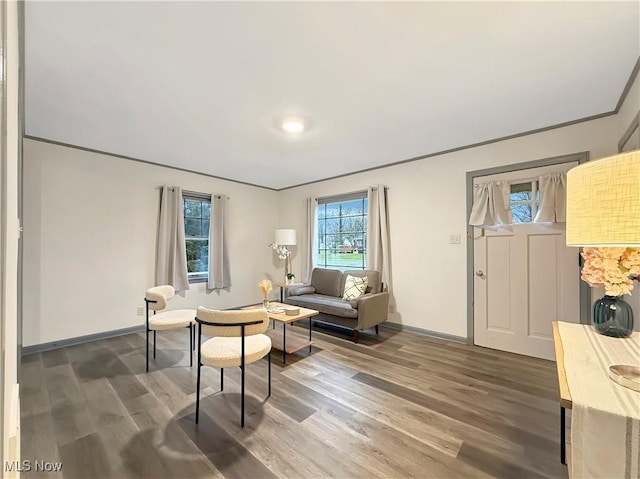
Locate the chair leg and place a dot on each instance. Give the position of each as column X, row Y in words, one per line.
column 221, row 379
column 377, row 330
column 242, row 366
column 242, row 395
column 269, row 369
column 147, row 369
column 198, row 393
column 154, row 344
column 198, row 379
column 190, row 346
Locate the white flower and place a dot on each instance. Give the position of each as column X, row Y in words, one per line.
column 283, row 252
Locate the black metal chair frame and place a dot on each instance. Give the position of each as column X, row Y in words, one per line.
column 242, row 365
column 191, row 336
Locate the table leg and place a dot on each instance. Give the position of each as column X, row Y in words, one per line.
column 563, row 458
column 310, row 323
column 284, row 343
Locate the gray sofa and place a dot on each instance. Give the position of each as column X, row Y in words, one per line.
column 324, row 294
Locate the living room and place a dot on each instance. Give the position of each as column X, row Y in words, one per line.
column 90, row 220
column 99, row 187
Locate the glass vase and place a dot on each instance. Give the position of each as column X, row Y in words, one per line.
column 265, row 303
column 612, row 316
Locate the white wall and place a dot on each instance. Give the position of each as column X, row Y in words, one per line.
column 10, row 137
column 427, row 203
column 89, row 240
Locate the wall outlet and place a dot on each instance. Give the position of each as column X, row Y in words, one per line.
column 140, row 310
column 454, row 239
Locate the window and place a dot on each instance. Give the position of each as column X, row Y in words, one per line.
column 197, row 215
column 525, row 200
column 342, row 231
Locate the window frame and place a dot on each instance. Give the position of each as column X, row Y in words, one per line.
column 321, row 237
column 197, row 277
column 533, row 203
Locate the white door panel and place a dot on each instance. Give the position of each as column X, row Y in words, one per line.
column 498, row 303
column 529, row 279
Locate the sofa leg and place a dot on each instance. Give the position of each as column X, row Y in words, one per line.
column 356, row 334
column 377, row 331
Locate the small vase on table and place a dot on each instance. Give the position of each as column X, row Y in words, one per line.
column 265, row 289
column 612, row 316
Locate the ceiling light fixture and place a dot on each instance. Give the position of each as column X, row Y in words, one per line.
column 293, row 125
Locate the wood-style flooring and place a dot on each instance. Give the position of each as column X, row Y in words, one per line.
column 396, row 405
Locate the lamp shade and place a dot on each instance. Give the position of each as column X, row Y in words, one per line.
column 286, row 237
column 603, row 202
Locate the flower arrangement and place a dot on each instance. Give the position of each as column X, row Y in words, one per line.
column 285, row 254
column 265, row 287
column 614, row 268
column 283, row 251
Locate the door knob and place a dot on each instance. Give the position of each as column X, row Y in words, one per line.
column 480, row 273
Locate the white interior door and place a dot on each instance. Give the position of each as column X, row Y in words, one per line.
column 524, row 279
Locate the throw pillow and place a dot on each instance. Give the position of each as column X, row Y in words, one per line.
column 354, row 287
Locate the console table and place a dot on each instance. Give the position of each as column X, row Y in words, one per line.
column 605, row 420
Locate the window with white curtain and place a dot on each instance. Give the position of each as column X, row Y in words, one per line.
column 341, row 230
column 197, row 217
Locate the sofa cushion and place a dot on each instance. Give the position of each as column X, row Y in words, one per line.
column 354, row 287
column 298, row 290
column 324, row 304
column 327, row 281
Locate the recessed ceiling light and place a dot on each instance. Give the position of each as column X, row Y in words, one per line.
column 293, row 125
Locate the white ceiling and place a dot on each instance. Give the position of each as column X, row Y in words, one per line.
column 202, row 85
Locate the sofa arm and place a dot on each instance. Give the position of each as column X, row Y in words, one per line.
column 299, row 290
column 372, row 309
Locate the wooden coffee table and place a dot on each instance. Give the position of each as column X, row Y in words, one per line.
column 295, row 342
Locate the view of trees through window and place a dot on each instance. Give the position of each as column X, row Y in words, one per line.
column 342, row 234
column 523, row 205
column 197, row 215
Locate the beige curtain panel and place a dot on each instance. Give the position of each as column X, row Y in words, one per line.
column 491, row 207
column 378, row 247
column 171, row 255
column 553, row 198
column 309, row 240
column 219, row 269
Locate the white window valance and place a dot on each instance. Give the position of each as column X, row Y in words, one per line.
column 491, row 206
column 553, row 194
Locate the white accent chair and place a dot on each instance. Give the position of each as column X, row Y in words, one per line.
column 156, row 300
column 237, row 339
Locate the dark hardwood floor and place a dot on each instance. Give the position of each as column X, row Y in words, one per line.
column 396, row 405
